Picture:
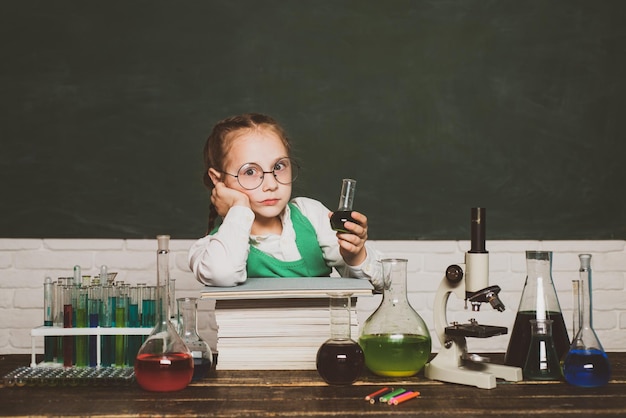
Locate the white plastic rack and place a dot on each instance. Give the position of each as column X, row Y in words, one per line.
column 98, row 332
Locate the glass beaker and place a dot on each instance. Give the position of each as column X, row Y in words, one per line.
column 163, row 363
column 344, row 211
column 542, row 362
column 538, row 301
column 340, row 359
column 188, row 330
column 395, row 339
column 586, row 363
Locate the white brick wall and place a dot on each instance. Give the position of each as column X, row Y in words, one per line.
column 24, row 263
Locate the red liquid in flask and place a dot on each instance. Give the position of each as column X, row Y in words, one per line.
column 163, row 372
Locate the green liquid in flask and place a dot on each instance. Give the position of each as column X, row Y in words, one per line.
column 395, row 355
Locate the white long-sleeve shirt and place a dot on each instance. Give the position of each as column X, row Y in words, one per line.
column 220, row 259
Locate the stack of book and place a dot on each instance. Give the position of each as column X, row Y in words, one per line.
column 278, row 324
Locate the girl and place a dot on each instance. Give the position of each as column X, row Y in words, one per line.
column 255, row 228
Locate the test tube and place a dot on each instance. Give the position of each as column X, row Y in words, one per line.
column 94, row 307
column 106, row 321
column 82, row 341
column 48, row 318
column 148, row 319
column 77, row 275
column 343, row 213
column 68, row 340
column 58, row 317
column 173, row 307
column 121, row 320
column 133, row 341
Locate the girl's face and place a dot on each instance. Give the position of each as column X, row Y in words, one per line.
column 263, row 147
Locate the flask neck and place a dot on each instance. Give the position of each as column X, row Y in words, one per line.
column 585, row 305
column 163, row 287
column 340, row 317
column 187, row 308
column 394, row 290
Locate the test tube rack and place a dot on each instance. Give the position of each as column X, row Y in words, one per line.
column 45, row 331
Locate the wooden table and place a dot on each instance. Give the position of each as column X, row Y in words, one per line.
column 303, row 394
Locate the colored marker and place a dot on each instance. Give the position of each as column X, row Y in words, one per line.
column 403, row 397
column 385, row 398
column 379, row 392
column 378, row 397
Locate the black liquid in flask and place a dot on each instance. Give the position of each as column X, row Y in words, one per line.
column 340, row 359
column 542, row 362
column 539, row 302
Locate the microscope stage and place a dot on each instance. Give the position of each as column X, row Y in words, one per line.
column 475, row 330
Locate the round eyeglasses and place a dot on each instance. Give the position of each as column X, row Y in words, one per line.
column 251, row 175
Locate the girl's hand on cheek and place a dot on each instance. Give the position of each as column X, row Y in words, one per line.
column 352, row 244
column 224, row 198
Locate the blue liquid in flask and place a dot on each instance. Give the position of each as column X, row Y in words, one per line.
column 587, row 368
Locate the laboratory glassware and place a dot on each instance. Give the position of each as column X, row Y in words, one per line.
column 121, row 321
column 344, row 211
column 48, row 319
column 188, row 330
column 68, row 340
column 340, row 359
column 395, row 338
column 163, row 363
column 586, row 363
column 133, row 341
column 82, row 321
column 542, row 362
column 107, row 317
column 538, row 301
column 94, row 307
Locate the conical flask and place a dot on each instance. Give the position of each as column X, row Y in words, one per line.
column 586, row 363
column 188, row 330
column 395, row 339
column 538, row 301
column 542, row 362
column 163, row 363
column 340, row 359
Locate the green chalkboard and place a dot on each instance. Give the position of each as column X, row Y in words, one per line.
column 433, row 106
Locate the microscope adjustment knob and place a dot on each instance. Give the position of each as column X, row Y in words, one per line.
column 454, row 273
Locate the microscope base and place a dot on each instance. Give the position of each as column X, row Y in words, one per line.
column 447, row 366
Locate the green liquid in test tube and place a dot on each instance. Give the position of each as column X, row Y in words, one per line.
column 106, row 321
column 82, row 345
column 121, row 319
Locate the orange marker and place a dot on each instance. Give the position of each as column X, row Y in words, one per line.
column 404, row 397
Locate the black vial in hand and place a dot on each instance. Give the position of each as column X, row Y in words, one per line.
column 344, row 213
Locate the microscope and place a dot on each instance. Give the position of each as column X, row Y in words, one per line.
column 469, row 281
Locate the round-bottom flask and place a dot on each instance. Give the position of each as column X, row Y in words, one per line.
column 395, row 339
column 188, row 330
column 163, row 363
column 340, row 359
